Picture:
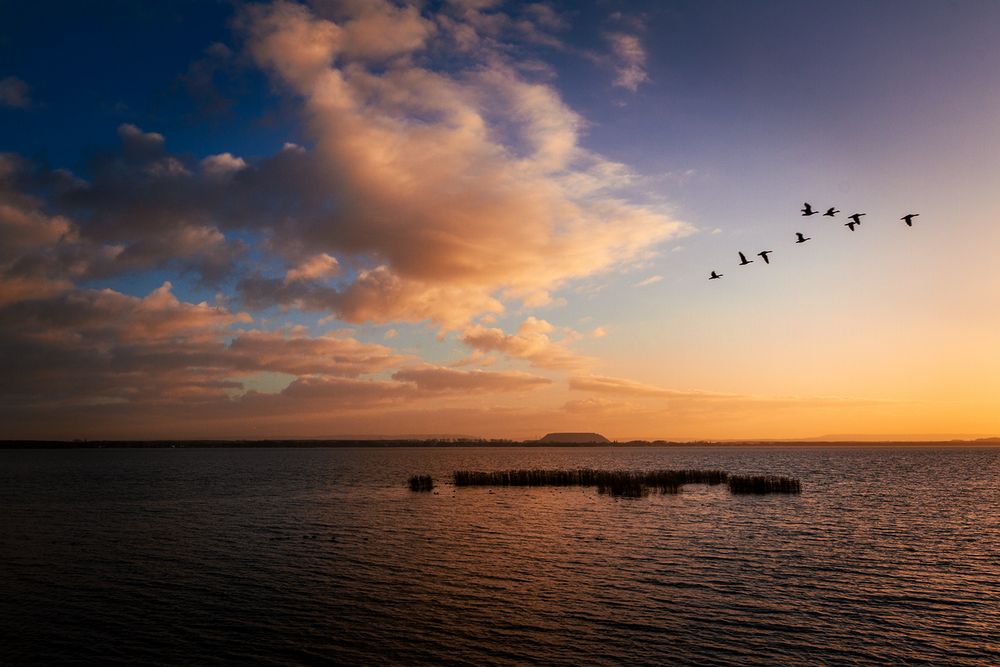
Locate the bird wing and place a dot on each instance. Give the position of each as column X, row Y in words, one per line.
column 743, row 257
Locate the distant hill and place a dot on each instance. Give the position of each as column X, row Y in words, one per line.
column 564, row 438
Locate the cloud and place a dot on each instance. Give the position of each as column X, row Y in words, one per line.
column 691, row 400
column 620, row 386
column 434, row 378
column 630, row 69
column 306, row 355
column 648, row 281
column 84, row 346
column 14, row 93
column 451, row 192
column 440, row 178
column 396, row 141
column 531, row 343
column 222, row 165
column 590, row 406
column 316, row 267
column 206, row 78
column 139, row 210
column 138, row 144
column 157, row 355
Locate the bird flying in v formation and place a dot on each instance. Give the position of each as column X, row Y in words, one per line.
column 807, row 210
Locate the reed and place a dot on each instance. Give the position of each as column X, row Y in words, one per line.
column 421, row 483
column 761, row 484
column 623, row 485
column 613, row 482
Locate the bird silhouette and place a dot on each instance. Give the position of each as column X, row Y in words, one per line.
column 715, row 276
column 908, row 218
column 763, row 255
column 832, row 211
column 852, row 225
column 808, row 210
column 744, row 261
column 802, row 239
column 856, row 217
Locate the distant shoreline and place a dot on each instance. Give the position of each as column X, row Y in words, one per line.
column 389, row 444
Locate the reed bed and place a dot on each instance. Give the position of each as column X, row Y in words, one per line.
column 421, row 483
column 628, row 484
column 761, row 484
column 612, row 482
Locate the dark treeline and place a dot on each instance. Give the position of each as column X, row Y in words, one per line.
column 625, row 483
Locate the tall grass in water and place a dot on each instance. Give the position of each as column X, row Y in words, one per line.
column 613, row 482
column 761, row 484
column 622, row 485
column 421, row 483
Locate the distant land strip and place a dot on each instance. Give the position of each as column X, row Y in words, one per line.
column 444, row 442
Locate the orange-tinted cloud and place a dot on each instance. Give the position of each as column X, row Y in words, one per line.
column 458, row 208
column 434, row 378
column 531, row 343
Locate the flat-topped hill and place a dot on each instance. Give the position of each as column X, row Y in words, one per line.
column 574, row 438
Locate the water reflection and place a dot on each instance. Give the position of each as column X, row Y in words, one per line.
column 199, row 555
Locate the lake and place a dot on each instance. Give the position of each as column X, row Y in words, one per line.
column 292, row 556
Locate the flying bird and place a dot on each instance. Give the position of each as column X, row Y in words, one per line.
column 744, row 261
column 808, row 210
column 908, row 218
column 852, row 225
column 715, row 276
column 856, row 218
column 802, row 239
column 763, row 255
column 832, row 211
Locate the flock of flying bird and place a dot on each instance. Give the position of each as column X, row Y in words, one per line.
column 807, row 210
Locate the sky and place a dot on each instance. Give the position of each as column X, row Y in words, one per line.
column 498, row 219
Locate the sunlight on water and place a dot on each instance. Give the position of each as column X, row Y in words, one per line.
column 165, row 556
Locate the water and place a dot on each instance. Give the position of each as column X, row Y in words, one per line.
column 286, row 556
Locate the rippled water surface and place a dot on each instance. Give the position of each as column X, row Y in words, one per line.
column 288, row 556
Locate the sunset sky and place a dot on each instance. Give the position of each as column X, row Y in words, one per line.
column 498, row 219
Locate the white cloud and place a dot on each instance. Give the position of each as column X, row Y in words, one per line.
column 630, row 68
column 222, row 164
column 649, row 281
